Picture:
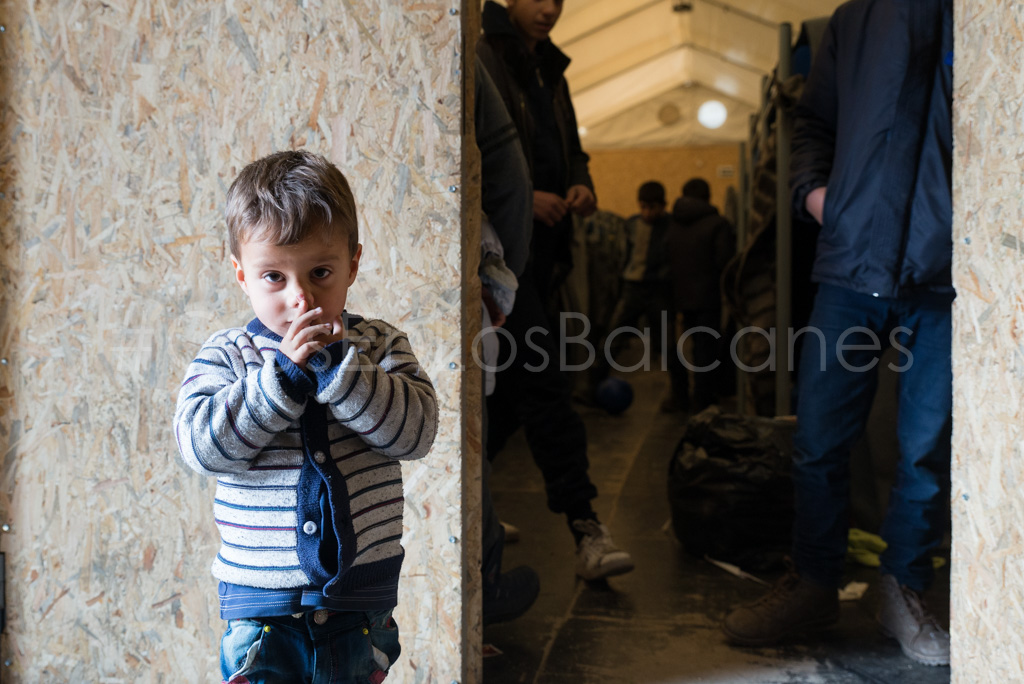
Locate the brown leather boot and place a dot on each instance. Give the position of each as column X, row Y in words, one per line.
column 903, row 616
column 793, row 605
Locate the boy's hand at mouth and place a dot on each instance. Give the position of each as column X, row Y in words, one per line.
column 306, row 335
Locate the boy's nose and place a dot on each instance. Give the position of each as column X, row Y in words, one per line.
column 303, row 294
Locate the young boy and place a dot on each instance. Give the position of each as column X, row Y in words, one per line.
column 303, row 416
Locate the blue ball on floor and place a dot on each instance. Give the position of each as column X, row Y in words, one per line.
column 614, row 395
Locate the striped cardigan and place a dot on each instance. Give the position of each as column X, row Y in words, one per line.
column 309, row 484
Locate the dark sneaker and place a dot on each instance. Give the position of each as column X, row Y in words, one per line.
column 512, row 596
column 903, row 616
column 793, row 605
column 597, row 556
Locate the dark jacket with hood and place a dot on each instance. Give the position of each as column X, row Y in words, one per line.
column 699, row 243
column 874, row 126
column 512, row 67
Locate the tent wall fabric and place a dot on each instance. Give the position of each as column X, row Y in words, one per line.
column 618, row 173
column 634, row 59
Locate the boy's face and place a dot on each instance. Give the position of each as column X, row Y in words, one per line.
column 651, row 210
column 534, row 18
column 283, row 282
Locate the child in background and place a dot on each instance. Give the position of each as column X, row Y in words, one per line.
column 303, row 417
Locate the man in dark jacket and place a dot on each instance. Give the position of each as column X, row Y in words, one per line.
column 506, row 198
column 531, row 391
column 871, row 162
column 699, row 244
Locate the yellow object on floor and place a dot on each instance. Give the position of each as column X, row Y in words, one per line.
column 865, row 548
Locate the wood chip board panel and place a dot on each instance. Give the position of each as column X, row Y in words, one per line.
column 123, row 123
column 987, row 609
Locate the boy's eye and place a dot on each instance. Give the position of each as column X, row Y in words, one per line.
column 321, row 272
column 272, row 277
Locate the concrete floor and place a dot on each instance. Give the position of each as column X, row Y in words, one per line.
column 658, row 623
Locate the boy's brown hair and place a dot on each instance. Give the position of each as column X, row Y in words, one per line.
column 286, row 197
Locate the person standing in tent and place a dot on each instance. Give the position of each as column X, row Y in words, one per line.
column 532, row 391
column 698, row 245
column 506, row 197
column 871, row 163
column 645, row 282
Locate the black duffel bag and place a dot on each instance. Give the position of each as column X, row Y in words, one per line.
column 730, row 489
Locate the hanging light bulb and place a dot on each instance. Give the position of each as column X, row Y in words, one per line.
column 712, row 114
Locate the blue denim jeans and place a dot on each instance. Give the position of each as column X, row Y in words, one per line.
column 836, row 387
column 349, row 648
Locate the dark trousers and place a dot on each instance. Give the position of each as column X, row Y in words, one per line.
column 639, row 299
column 701, row 326
column 837, row 382
column 531, row 392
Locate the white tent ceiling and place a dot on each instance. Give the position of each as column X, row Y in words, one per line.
column 641, row 68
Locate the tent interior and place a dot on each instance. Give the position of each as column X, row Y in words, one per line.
column 640, row 74
column 641, row 69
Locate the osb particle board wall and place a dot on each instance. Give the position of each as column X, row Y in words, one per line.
column 471, row 390
column 988, row 321
column 618, row 174
column 123, row 123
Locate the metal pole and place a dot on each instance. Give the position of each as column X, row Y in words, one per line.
column 742, row 208
column 783, row 230
column 741, row 241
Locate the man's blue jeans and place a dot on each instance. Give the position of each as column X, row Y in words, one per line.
column 838, row 375
column 348, row 648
